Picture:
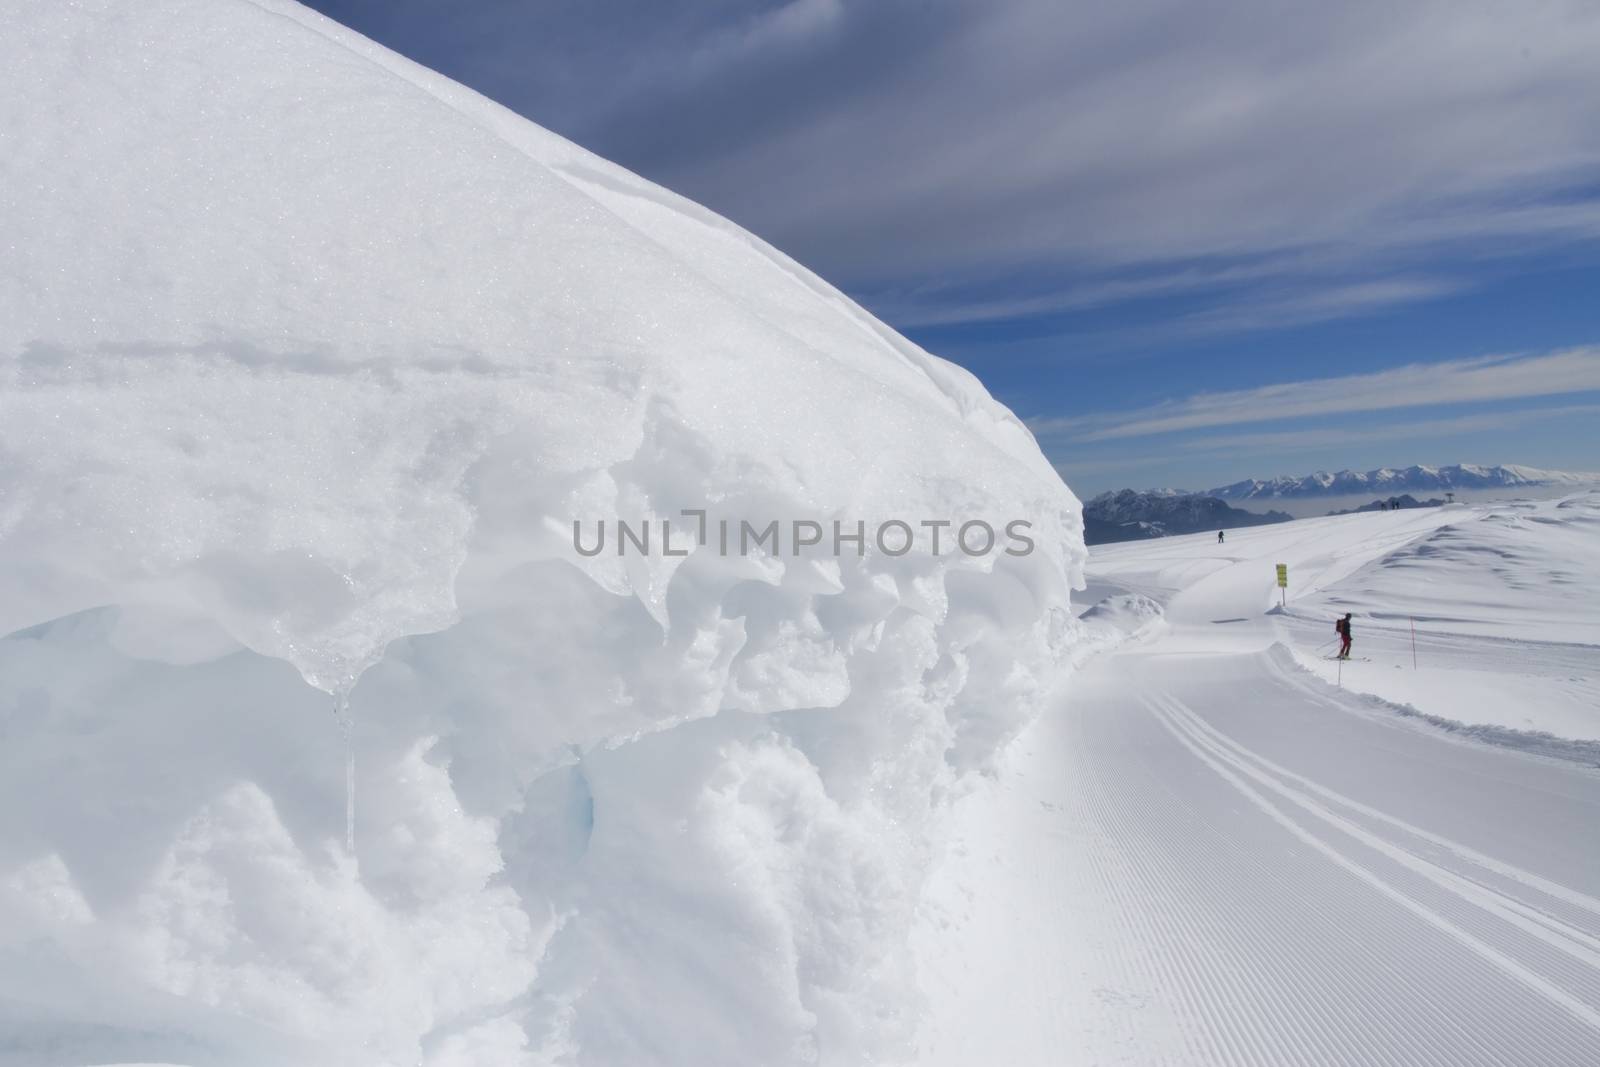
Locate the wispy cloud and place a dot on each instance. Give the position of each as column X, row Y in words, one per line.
column 943, row 306
column 893, row 140
column 975, row 161
column 1317, row 304
column 1279, row 441
column 1211, row 459
column 1464, row 381
column 1005, row 138
column 792, row 24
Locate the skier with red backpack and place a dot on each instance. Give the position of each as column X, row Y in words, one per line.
column 1342, row 628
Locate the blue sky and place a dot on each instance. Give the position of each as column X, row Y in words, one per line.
column 1189, row 243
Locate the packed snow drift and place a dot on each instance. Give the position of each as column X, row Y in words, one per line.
column 317, row 374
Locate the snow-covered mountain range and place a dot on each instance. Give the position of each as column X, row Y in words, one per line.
column 1131, row 515
column 1401, row 479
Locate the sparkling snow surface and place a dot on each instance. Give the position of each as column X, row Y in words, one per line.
column 309, row 359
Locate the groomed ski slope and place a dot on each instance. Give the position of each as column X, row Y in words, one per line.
column 1211, row 855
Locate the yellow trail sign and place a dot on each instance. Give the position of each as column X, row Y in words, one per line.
column 1283, row 576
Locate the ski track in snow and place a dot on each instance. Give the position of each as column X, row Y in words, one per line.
column 1207, row 856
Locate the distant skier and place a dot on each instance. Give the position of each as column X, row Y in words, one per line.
column 1342, row 628
column 1219, row 537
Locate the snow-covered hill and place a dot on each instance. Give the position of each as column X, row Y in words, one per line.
column 1225, row 849
column 1500, row 597
column 1402, row 479
column 310, row 360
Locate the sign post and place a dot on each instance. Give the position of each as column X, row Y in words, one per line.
column 1283, row 583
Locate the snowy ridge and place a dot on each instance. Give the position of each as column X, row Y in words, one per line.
column 309, row 362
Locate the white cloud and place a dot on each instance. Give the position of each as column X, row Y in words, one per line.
column 939, row 306
column 976, row 160
column 1277, row 441
column 1106, row 135
column 1313, row 304
column 1488, row 378
column 794, row 23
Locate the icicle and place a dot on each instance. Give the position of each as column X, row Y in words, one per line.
column 341, row 713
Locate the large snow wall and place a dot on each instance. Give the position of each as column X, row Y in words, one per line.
column 309, row 361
